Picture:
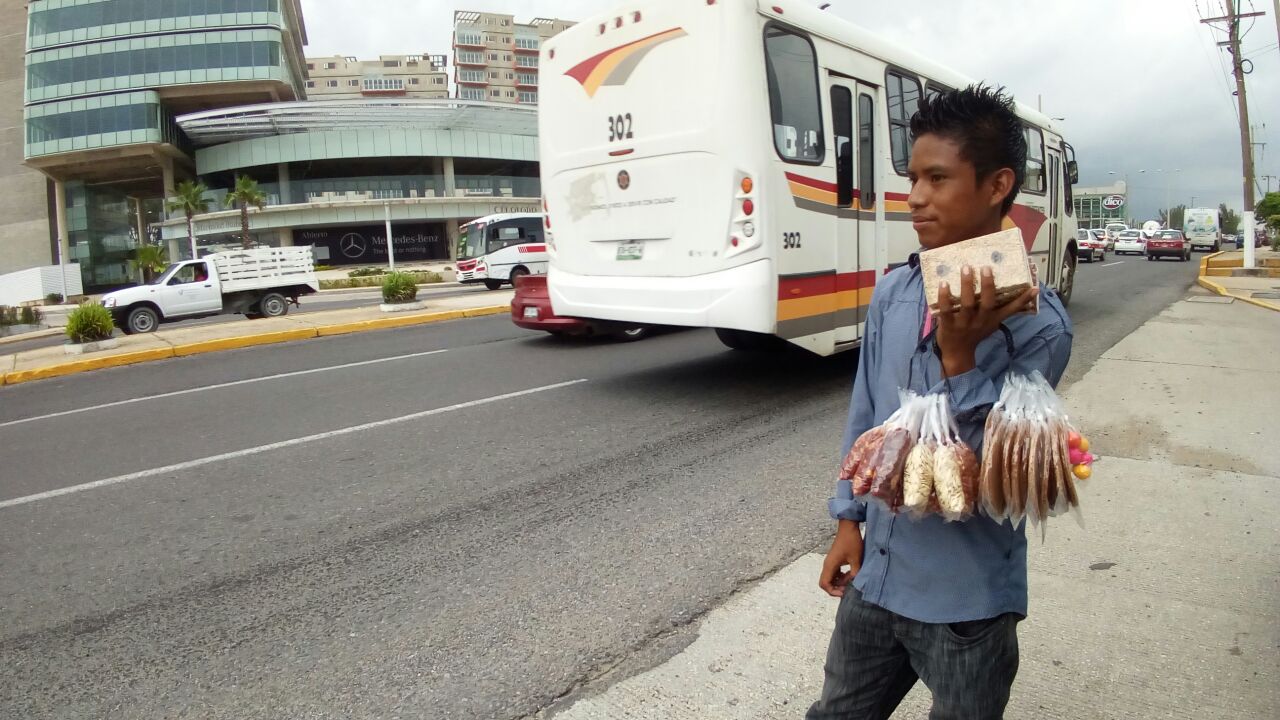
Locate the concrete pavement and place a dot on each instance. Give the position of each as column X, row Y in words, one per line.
column 1223, row 273
column 179, row 340
column 1164, row 605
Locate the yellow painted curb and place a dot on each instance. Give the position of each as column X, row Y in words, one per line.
column 1208, row 284
column 483, row 311
column 233, row 343
column 405, row 320
column 79, row 366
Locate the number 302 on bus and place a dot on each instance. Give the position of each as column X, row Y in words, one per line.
column 620, row 127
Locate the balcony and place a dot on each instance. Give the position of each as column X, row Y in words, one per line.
column 526, row 80
column 468, row 40
column 470, row 77
column 527, row 62
column 382, row 86
column 469, row 58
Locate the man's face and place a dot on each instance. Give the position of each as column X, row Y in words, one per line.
column 948, row 203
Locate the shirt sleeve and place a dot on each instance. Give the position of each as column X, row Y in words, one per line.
column 843, row 506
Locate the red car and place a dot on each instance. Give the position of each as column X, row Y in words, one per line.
column 531, row 309
column 1169, row 243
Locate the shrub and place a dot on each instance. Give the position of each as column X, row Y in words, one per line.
column 53, row 298
column 399, row 287
column 422, row 278
column 8, row 315
column 30, row 316
column 366, row 272
column 320, row 268
column 89, row 323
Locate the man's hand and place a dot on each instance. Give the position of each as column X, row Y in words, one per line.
column 959, row 332
column 846, row 550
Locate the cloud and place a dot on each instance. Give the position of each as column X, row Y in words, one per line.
column 1140, row 83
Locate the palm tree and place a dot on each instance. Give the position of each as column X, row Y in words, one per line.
column 150, row 260
column 189, row 201
column 246, row 193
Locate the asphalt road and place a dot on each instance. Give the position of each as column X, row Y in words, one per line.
column 471, row 533
column 312, row 303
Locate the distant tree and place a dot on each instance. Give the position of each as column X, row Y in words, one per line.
column 1269, row 206
column 1175, row 214
column 1228, row 220
column 189, row 201
column 246, row 193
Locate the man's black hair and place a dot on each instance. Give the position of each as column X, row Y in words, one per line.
column 982, row 120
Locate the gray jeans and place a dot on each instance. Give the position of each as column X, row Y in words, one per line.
column 875, row 657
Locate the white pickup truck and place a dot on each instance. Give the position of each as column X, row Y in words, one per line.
column 256, row 283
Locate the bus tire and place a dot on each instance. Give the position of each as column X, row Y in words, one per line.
column 1067, row 282
column 493, row 284
column 517, row 272
column 749, row 341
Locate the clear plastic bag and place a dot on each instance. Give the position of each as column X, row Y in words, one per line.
column 1033, row 455
column 955, row 468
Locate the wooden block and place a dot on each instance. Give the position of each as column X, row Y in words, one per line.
column 1002, row 251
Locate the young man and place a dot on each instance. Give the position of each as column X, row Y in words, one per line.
column 927, row 599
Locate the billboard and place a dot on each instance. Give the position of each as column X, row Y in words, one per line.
column 367, row 244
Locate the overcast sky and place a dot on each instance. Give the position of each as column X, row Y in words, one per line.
column 1140, row 83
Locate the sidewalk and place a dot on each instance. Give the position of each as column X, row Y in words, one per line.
column 1222, row 273
column 1163, row 607
column 175, row 340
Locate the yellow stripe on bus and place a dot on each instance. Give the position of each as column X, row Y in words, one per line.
column 823, row 304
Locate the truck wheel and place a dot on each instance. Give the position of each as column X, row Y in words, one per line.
column 141, row 320
column 273, row 305
column 493, row 284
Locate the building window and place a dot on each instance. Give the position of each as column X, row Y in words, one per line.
column 791, row 70
column 79, row 123
column 466, row 38
column 311, row 66
column 526, row 79
column 413, row 81
column 437, row 80
column 471, row 58
column 523, row 43
column 493, row 56
column 85, row 15
column 904, row 98
column 330, row 66
column 390, row 63
column 331, row 83
column 472, row 94
column 472, row 76
column 507, row 57
column 528, row 97
column 311, row 83
column 526, row 61
column 493, row 76
column 145, row 60
column 353, row 83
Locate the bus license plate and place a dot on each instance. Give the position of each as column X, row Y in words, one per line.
column 631, row 251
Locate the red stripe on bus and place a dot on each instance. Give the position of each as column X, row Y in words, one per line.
column 793, row 288
column 813, row 183
column 532, row 248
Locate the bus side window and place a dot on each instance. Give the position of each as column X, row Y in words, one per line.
column 1034, row 182
column 842, row 120
column 791, row 70
column 904, row 100
column 866, row 154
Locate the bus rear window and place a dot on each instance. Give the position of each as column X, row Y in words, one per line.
column 792, row 70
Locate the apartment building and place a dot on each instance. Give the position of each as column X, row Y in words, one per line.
column 339, row 77
column 496, row 59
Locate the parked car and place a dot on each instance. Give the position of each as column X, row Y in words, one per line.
column 1169, row 243
column 1090, row 246
column 261, row 282
column 531, row 310
column 1131, row 241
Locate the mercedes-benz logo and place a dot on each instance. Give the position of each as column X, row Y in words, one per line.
column 624, row 179
column 353, row 245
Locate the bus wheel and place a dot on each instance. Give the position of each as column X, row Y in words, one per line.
column 517, row 273
column 1068, row 280
column 493, row 284
column 749, row 341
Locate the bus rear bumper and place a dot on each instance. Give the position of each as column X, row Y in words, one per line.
column 740, row 298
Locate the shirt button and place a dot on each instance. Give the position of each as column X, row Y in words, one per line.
column 883, row 551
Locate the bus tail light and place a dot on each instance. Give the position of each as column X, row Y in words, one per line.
column 747, row 185
column 748, row 207
column 742, row 231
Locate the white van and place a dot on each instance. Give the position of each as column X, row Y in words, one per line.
column 497, row 249
column 1201, row 227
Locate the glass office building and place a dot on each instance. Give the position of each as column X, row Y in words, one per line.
column 104, row 82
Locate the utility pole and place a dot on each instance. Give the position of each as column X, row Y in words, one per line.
column 1232, row 20
column 1276, row 3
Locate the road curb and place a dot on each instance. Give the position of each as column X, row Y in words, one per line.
column 233, row 343
column 1203, row 281
column 79, row 366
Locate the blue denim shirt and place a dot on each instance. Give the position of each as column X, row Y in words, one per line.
column 928, row 569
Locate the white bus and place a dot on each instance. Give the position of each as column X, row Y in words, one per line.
column 742, row 166
column 1200, row 225
column 497, row 249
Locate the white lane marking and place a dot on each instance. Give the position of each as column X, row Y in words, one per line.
column 203, row 388
column 178, row 467
column 1118, row 262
